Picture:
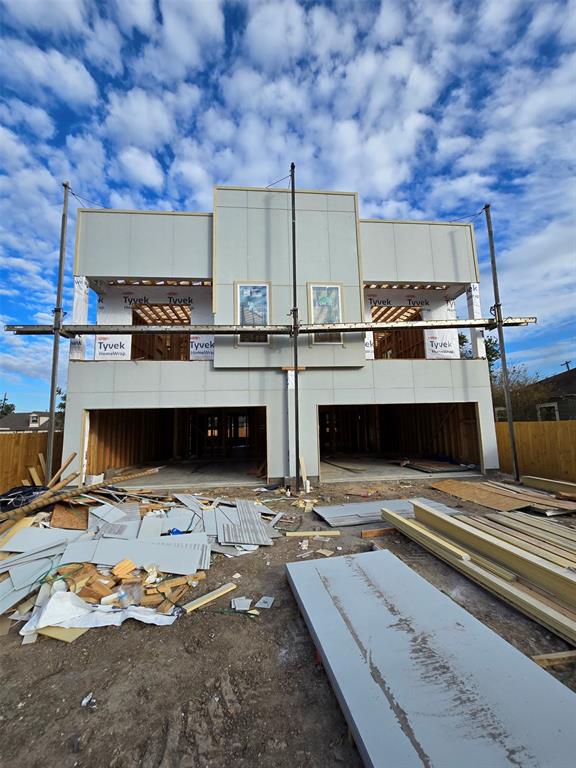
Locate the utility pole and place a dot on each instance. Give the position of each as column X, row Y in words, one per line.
column 295, row 328
column 57, row 325
column 567, row 364
column 498, row 315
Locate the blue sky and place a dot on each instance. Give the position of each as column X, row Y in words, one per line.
column 428, row 109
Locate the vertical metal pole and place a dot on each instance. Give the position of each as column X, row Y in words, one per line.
column 57, row 325
column 295, row 328
column 498, row 315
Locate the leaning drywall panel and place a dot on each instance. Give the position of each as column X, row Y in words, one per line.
column 421, row 681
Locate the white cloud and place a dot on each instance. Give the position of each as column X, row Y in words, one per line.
column 53, row 16
column 276, row 33
column 12, row 151
column 138, row 118
column 134, row 14
column 29, row 68
column 191, row 33
column 104, row 47
column 390, row 23
column 140, row 167
column 36, row 119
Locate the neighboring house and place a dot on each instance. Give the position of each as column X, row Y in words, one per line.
column 560, row 404
column 230, row 397
column 37, row 421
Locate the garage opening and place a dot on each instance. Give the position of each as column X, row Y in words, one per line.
column 225, row 443
column 379, row 438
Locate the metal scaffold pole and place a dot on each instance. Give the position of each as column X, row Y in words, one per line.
column 57, row 325
column 500, row 327
column 295, row 328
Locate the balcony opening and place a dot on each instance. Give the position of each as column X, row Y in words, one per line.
column 379, row 441
column 160, row 346
column 196, row 445
column 398, row 344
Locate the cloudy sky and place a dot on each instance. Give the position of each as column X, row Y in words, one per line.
column 427, row 108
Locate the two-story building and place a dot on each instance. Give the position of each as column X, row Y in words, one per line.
column 225, row 397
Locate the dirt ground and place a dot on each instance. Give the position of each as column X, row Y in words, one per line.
column 217, row 688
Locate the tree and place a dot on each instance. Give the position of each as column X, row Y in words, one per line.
column 526, row 392
column 492, row 349
column 6, row 407
column 60, row 408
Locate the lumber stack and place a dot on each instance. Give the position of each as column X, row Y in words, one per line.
column 530, row 563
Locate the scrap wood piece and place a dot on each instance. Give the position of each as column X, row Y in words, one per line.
column 42, row 501
column 35, row 476
column 370, row 533
column 209, row 597
column 481, row 684
column 65, row 634
column 52, row 481
column 42, row 462
column 545, row 484
column 63, row 516
column 123, row 568
column 554, row 659
column 312, row 533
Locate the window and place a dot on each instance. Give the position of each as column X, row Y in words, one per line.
column 34, row 420
column 160, row 346
column 326, row 308
column 253, row 308
column 547, row 412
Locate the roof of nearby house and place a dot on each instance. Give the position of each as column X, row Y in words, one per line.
column 562, row 384
column 19, row 422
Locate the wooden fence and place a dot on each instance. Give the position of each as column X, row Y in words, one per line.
column 545, row 448
column 19, row 450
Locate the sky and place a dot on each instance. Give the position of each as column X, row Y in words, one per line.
column 427, row 108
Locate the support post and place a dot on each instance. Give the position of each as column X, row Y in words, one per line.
column 499, row 325
column 295, row 329
column 57, row 325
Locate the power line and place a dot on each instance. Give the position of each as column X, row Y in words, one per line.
column 85, row 200
column 470, row 216
column 277, row 182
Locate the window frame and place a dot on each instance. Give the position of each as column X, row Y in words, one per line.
column 311, row 287
column 260, row 284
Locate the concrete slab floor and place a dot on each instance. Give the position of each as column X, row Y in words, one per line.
column 374, row 468
column 198, row 474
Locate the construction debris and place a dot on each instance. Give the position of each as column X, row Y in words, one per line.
column 119, row 555
column 359, row 513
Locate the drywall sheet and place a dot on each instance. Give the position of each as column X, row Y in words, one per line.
column 242, row 525
column 151, row 527
column 422, row 682
column 29, row 539
column 189, row 501
column 108, row 513
column 180, row 555
column 360, row 512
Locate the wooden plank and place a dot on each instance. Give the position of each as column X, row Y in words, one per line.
column 312, row 533
column 534, row 605
column 554, row 486
column 554, row 659
column 532, row 497
column 64, row 466
column 370, row 533
column 42, row 462
column 557, row 581
column 65, row 634
column 475, row 493
column 538, row 533
column 209, row 597
column 549, row 552
column 35, row 476
column 565, row 531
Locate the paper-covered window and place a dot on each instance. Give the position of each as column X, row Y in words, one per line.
column 326, row 309
column 253, row 306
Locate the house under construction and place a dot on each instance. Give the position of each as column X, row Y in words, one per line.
column 221, row 392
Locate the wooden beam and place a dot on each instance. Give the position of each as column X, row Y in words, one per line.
column 64, row 466
column 554, row 659
column 209, row 597
column 544, row 484
column 370, row 533
column 312, row 533
column 557, row 581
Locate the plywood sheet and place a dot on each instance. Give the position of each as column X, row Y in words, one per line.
column 479, row 495
column 421, row 682
column 64, row 516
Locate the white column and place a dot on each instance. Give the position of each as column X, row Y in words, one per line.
column 79, row 316
column 475, row 312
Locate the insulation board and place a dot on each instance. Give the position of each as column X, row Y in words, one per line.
column 421, row 682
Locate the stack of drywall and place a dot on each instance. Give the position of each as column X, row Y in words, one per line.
column 528, row 562
column 361, row 512
column 119, row 559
